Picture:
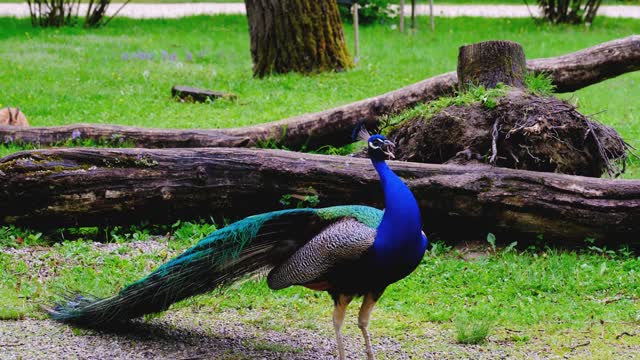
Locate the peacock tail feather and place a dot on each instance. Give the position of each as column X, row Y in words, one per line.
column 248, row 246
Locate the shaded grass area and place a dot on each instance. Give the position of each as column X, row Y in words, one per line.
column 539, row 297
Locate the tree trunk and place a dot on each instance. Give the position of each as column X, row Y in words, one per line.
column 303, row 36
column 413, row 15
column 334, row 126
column 87, row 187
column 491, row 62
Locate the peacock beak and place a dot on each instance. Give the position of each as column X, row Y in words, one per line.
column 388, row 148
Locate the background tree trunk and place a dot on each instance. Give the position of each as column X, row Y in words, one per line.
column 304, row 36
column 88, row 187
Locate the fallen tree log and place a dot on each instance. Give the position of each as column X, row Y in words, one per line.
column 330, row 127
column 88, row 187
column 333, row 127
column 582, row 68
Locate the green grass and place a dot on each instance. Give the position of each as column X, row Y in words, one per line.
column 472, row 329
column 540, row 84
column 96, row 76
column 474, row 95
column 10, row 236
column 11, row 306
column 539, row 296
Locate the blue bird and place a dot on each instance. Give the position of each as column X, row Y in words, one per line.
column 348, row 251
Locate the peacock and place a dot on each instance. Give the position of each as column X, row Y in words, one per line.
column 348, row 251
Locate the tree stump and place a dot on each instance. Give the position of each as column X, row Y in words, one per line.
column 491, row 62
column 519, row 129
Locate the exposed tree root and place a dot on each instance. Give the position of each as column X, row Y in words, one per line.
column 523, row 131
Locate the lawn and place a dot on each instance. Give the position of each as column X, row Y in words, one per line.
column 538, row 301
column 123, row 74
column 104, row 76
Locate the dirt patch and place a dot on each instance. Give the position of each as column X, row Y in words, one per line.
column 522, row 131
column 182, row 334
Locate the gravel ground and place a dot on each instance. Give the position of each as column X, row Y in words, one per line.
column 180, row 334
column 184, row 334
column 188, row 9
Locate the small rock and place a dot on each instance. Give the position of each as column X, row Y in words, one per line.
column 189, row 94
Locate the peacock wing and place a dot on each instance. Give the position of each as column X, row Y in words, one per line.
column 343, row 241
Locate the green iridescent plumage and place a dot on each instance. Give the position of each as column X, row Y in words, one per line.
column 365, row 214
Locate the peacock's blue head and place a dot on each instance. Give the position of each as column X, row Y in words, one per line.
column 379, row 148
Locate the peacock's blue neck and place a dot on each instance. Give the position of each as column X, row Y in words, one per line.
column 399, row 238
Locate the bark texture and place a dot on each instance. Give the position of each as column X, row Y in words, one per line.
column 333, row 127
column 303, row 36
column 84, row 187
column 491, row 62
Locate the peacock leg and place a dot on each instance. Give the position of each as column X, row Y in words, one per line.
column 341, row 302
column 363, row 321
